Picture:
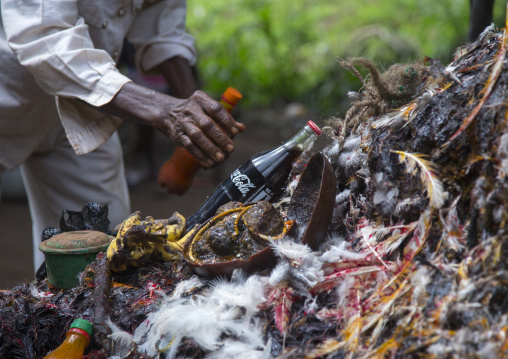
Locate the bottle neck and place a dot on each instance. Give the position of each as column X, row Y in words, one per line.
column 303, row 139
column 75, row 335
column 229, row 106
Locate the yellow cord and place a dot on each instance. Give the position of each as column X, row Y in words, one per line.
column 267, row 238
column 237, row 220
column 213, row 220
column 208, row 224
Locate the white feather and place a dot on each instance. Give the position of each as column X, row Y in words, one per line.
column 502, row 156
column 287, row 248
column 466, row 287
column 352, row 143
column 240, row 350
column 341, row 252
column 124, row 341
column 304, row 269
column 334, row 238
column 279, row 274
column 173, row 351
column 342, row 291
column 342, row 197
column 203, row 322
column 419, row 280
column 331, row 150
column 310, row 305
column 489, row 351
column 353, row 95
column 351, row 161
column 306, row 274
column 247, row 295
column 186, row 286
column 405, row 203
column 392, row 119
column 225, row 308
column 385, row 196
column 38, row 294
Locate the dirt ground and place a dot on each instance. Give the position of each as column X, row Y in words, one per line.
column 262, row 133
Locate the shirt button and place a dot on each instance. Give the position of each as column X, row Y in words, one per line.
column 121, row 12
column 105, row 24
column 115, row 54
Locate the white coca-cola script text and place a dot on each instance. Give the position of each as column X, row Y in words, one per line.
column 242, row 182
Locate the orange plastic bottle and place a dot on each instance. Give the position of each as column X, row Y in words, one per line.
column 78, row 337
column 177, row 174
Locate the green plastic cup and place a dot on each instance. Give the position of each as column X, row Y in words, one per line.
column 67, row 254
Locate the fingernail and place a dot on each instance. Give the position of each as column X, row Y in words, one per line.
column 219, row 156
column 210, row 163
column 234, row 130
column 230, row 148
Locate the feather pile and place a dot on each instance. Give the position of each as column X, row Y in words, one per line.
column 415, row 262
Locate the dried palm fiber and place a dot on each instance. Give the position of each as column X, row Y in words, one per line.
column 414, row 264
column 446, row 297
column 381, row 91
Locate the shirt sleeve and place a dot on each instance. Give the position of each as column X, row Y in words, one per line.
column 52, row 42
column 158, row 34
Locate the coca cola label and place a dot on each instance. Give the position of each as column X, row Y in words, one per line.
column 263, row 194
column 246, row 179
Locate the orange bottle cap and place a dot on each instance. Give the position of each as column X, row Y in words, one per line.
column 231, row 96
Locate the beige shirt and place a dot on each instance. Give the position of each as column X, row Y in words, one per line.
column 68, row 50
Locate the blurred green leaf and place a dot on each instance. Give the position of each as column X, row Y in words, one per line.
column 283, row 51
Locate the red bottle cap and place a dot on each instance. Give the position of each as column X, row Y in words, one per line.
column 314, row 128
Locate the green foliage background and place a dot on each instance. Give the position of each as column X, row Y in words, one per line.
column 278, row 51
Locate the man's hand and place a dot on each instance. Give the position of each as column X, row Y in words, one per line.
column 202, row 126
column 199, row 124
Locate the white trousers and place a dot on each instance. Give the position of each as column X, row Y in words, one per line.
column 56, row 179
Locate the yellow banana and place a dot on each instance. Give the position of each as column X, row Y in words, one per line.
column 133, row 219
column 175, row 227
column 140, row 242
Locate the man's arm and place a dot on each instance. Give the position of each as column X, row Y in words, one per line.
column 180, row 77
column 54, row 44
column 194, row 123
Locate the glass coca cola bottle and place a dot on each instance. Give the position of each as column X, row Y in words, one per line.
column 260, row 178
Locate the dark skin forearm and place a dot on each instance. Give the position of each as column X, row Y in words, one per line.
column 180, row 77
column 138, row 103
column 182, row 82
